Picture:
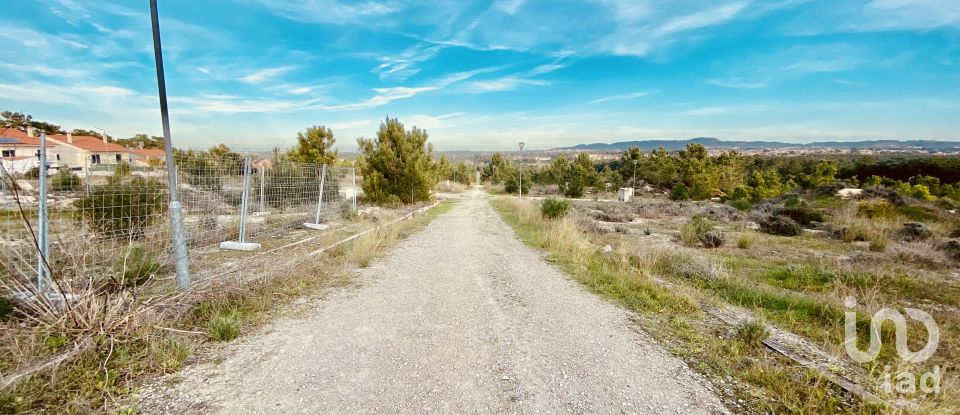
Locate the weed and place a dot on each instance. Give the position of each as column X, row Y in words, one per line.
column 752, row 334
column 137, row 266
column 745, row 241
column 226, row 325
column 693, row 233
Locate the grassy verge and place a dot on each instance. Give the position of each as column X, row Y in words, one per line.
column 750, row 378
column 100, row 378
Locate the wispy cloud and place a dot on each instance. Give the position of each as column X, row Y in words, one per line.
column 507, row 83
column 621, row 97
column 331, row 11
column 738, row 83
column 266, row 74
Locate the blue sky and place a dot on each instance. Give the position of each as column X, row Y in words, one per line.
column 484, row 75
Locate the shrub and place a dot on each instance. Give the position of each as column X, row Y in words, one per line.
column 780, row 225
column 745, row 241
column 122, row 210
column 553, row 208
column 290, row 184
column 137, row 266
column 347, row 212
column 801, row 213
column 680, row 192
column 712, row 239
column 700, row 230
column 225, row 326
column 511, row 185
column 6, row 308
column 66, row 181
column 915, row 232
column 752, row 334
column 742, row 205
column 878, row 244
column 876, row 209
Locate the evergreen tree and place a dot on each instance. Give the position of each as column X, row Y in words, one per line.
column 398, row 165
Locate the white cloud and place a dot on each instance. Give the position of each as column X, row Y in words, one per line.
column 332, row 11
column 621, row 97
column 701, row 19
column 265, row 74
column 738, row 83
column 507, row 83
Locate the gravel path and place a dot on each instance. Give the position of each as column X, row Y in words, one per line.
column 459, row 318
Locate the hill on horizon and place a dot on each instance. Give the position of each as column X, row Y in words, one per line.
column 716, row 143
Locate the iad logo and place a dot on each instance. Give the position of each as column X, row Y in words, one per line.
column 906, row 381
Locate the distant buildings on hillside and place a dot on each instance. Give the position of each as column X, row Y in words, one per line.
column 20, row 152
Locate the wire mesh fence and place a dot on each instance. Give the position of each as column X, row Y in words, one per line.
column 112, row 219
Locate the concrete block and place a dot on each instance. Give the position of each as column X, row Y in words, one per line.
column 239, row 246
column 317, row 226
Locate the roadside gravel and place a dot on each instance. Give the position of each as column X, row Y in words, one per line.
column 459, row 318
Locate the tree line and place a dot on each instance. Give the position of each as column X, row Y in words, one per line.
column 693, row 174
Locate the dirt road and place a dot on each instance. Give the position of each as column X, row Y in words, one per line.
column 459, row 318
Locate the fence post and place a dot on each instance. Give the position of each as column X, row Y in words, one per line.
column 177, row 232
column 245, row 196
column 241, row 243
column 353, row 176
column 43, row 247
column 316, row 224
column 262, row 204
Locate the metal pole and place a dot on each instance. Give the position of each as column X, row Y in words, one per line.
column 243, row 202
column 634, row 184
column 177, row 232
column 42, row 245
column 323, row 177
column 353, row 177
column 262, row 208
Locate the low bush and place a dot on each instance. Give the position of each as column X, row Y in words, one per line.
column 6, row 308
column 680, row 192
column 878, row 244
column 745, row 241
column 915, row 232
column 780, row 225
column 742, row 205
column 512, row 184
column 553, row 208
column 801, row 213
column 752, row 334
column 876, row 209
column 225, row 326
column 64, row 180
column 712, row 239
column 701, row 231
column 137, row 266
column 122, row 210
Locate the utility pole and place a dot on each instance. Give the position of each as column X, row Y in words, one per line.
column 177, row 233
column 520, row 191
column 635, row 162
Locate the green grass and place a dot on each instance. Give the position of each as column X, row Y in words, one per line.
column 768, row 382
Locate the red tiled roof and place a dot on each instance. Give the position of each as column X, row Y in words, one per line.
column 22, row 138
column 149, row 152
column 90, row 143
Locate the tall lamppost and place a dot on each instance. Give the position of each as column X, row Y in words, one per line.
column 520, row 191
column 635, row 162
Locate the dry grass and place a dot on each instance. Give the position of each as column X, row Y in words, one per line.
column 126, row 333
